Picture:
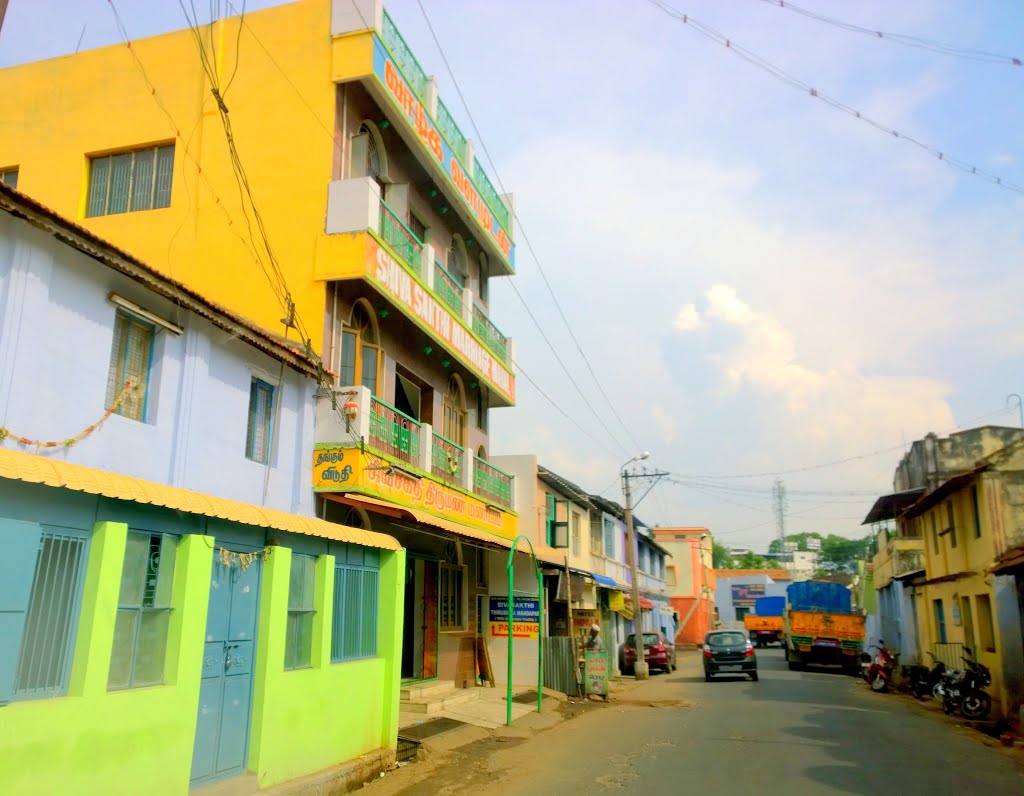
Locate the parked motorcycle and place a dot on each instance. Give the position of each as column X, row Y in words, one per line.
column 962, row 689
column 878, row 670
column 925, row 682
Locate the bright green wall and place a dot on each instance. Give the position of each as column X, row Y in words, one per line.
column 96, row 743
column 309, row 719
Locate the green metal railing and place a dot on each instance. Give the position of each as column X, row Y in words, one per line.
column 394, row 432
column 492, row 484
column 447, row 288
column 488, row 194
column 450, row 130
column 445, row 458
column 400, row 238
column 403, row 56
column 495, row 340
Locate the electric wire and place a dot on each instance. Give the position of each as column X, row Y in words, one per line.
column 908, row 40
column 779, row 74
column 533, row 253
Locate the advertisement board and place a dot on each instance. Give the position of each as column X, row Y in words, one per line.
column 744, row 595
column 525, row 617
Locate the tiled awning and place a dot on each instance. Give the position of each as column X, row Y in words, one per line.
column 34, row 469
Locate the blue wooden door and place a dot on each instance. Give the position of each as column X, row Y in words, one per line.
column 225, row 694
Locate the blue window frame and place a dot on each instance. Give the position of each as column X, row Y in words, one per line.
column 261, row 413
column 131, row 357
column 42, row 574
column 143, row 611
column 356, row 600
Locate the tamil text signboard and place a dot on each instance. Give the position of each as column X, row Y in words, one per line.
column 744, row 595
column 525, row 617
column 595, row 672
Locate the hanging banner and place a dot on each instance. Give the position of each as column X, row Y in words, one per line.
column 617, row 602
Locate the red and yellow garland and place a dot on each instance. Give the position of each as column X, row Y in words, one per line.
column 67, row 443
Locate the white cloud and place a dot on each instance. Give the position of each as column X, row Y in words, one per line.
column 687, row 319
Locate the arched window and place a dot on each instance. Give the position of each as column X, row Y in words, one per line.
column 481, row 453
column 361, row 354
column 457, row 260
column 485, row 271
column 455, row 411
column 368, row 156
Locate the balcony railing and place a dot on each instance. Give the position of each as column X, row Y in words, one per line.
column 400, row 238
column 403, row 55
column 446, row 459
column 447, row 288
column 489, row 195
column 450, row 130
column 393, row 432
column 908, row 561
column 492, row 484
column 482, row 325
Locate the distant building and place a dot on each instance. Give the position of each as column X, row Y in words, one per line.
column 736, row 591
column 691, row 580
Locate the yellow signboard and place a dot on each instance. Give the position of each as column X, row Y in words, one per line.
column 352, row 470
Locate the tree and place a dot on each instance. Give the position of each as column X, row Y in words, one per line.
column 751, row 560
column 799, row 538
column 721, row 558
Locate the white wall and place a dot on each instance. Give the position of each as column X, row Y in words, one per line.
column 524, row 651
column 56, row 335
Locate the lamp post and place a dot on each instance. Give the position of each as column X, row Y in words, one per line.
column 640, row 669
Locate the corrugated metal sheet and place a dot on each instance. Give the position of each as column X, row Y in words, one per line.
column 34, row 469
column 560, row 666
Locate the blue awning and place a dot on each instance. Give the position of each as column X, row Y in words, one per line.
column 604, row 580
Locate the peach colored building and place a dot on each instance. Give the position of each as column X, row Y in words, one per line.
column 690, row 578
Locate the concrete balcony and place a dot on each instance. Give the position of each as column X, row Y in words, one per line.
column 367, row 239
column 898, row 557
column 414, row 447
column 907, row 562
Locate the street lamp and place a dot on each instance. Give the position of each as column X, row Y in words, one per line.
column 640, row 669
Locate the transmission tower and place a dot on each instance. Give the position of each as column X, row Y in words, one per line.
column 779, row 506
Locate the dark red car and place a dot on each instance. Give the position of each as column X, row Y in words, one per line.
column 659, row 652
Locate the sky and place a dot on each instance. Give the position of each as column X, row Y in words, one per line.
column 763, row 286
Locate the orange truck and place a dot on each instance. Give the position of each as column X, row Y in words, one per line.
column 821, row 626
column 763, row 630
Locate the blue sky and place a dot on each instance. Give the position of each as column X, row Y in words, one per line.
column 761, row 283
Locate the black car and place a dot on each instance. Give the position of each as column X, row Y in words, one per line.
column 729, row 652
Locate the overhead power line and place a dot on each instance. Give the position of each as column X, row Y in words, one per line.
column 533, row 253
column 779, row 74
column 906, row 39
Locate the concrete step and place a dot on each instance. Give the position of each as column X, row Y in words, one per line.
column 441, row 705
column 424, row 692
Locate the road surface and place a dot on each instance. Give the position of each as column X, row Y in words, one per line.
column 804, row 732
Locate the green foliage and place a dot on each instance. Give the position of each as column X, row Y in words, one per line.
column 721, row 558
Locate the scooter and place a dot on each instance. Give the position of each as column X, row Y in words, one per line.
column 878, row 673
column 962, row 690
column 925, row 682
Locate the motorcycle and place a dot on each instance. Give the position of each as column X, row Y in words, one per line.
column 878, row 671
column 925, row 682
column 962, row 690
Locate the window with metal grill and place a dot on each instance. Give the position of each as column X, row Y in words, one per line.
column 130, row 181
column 356, row 589
column 298, row 644
column 55, row 560
column 143, row 611
column 451, row 597
column 131, row 357
column 258, row 434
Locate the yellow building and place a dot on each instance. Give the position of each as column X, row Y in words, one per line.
column 965, row 523
column 297, row 166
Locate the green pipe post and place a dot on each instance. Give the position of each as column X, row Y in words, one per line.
column 540, row 634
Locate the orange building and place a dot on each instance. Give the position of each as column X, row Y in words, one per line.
column 690, row 579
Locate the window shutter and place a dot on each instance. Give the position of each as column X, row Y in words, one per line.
column 142, row 180
column 120, row 179
column 164, row 171
column 20, row 542
column 98, row 178
column 560, row 528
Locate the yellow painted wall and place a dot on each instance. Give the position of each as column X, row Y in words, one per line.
column 98, row 101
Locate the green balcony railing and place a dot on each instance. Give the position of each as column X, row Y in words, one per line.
column 446, row 286
column 495, row 340
column 450, row 130
column 394, row 432
column 446, row 459
column 488, row 194
column 400, row 238
column 492, row 484
column 403, row 55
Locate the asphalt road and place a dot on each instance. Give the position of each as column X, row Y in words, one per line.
column 804, row 732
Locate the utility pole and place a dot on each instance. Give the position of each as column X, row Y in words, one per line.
column 640, row 668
